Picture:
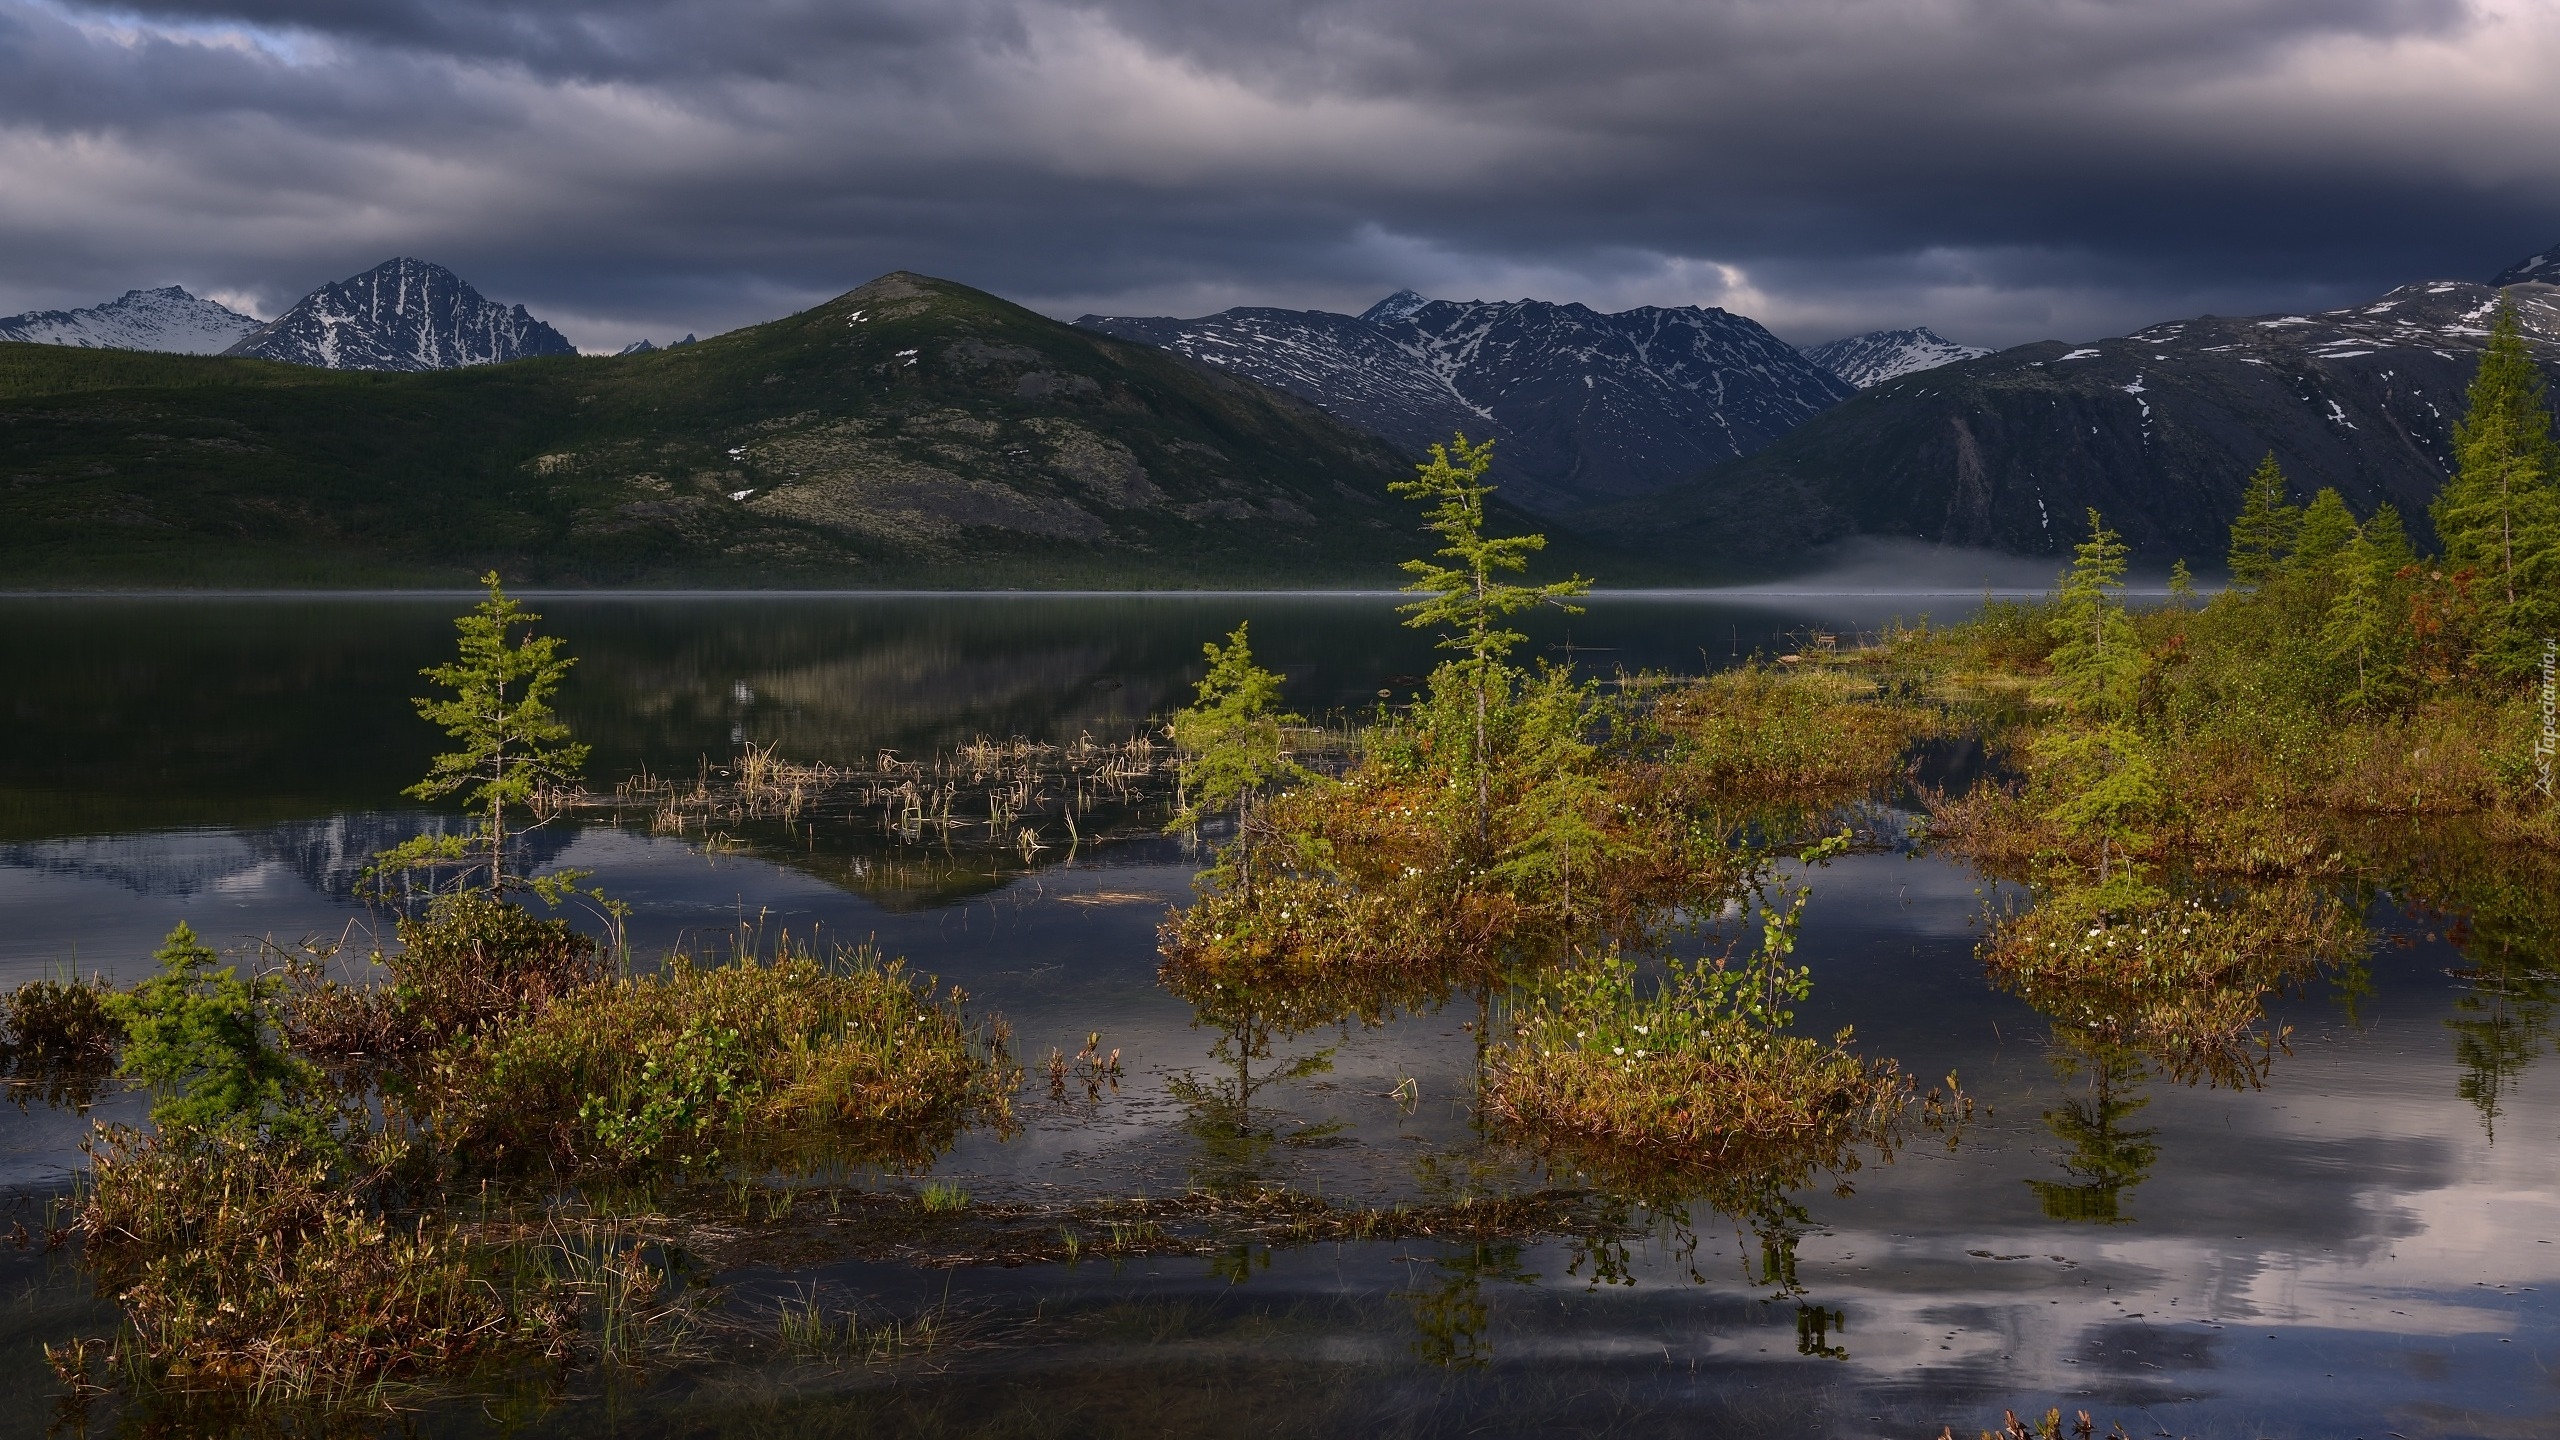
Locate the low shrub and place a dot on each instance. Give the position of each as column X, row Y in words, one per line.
column 1305, row 950
column 700, row 1067
column 467, row 963
column 1755, row 733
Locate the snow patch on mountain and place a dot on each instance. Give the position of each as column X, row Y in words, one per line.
column 2543, row 268
column 1881, row 355
column 167, row 319
column 1394, row 307
column 403, row 314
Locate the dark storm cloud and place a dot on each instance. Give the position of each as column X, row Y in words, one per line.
column 2000, row 169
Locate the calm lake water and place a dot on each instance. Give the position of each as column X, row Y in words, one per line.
column 2363, row 1246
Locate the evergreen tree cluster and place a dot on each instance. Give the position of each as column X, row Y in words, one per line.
column 2334, row 612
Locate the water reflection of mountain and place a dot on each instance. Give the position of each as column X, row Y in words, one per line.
column 328, row 855
column 146, row 715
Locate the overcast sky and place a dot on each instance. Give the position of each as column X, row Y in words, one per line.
column 2001, row 170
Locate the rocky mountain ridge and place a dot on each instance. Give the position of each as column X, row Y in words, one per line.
column 2157, row 430
column 167, row 319
column 403, row 314
column 1584, row 406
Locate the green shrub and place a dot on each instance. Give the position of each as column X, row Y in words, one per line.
column 204, row 1041
column 59, row 1039
column 1684, row 1075
column 1755, row 734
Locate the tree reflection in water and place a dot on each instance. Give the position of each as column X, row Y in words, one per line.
column 2107, row 1157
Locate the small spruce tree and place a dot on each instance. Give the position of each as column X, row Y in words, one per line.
column 2328, row 528
column 1469, row 600
column 1229, row 737
column 2389, row 538
column 512, row 742
column 2358, row 627
column 204, row 1042
column 2263, row 535
column 2097, row 663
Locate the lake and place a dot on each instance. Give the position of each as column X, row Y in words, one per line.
column 2364, row 1245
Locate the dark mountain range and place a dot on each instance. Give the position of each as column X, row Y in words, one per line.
column 1881, row 355
column 402, row 314
column 167, row 319
column 1586, row 407
column 2157, row 430
column 912, row 431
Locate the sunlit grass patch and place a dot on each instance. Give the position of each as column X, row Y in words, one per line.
column 698, row 1068
column 1760, row 733
column 1684, row 1074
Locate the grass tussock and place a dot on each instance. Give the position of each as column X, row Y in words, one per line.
column 700, row 1067
column 1684, row 1075
column 1759, row 734
column 60, row 1037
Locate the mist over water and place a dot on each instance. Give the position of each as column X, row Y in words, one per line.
column 1882, row 567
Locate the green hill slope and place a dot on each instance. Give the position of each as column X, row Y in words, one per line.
column 912, row 431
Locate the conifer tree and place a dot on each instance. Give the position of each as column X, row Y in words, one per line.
column 512, row 742
column 2392, row 552
column 2096, row 665
column 2357, row 624
column 2328, row 527
column 1229, row 736
column 2499, row 516
column 205, row 1042
column 2263, row 535
column 1469, row 599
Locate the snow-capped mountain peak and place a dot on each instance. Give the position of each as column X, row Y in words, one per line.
column 2544, row 268
column 402, row 314
column 1394, row 307
column 167, row 319
column 1881, row 355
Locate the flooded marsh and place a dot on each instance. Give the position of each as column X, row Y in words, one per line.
column 2304, row 1186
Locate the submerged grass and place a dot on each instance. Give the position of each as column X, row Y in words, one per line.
column 254, row 1265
